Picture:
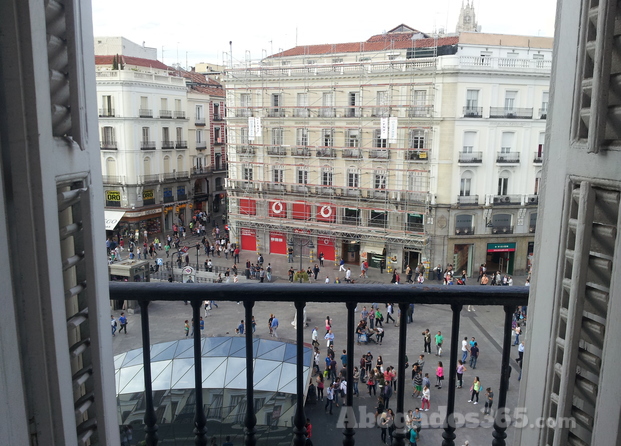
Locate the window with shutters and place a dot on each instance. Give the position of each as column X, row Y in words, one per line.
column 302, row 110
column 302, row 137
column 327, row 174
column 378, row 141
column 503, row 183
column 277, row 136
column 465, row 184
column 278, row 174
column 353, row 178
column 245, row 102
column 353, row 138
column 417, row 139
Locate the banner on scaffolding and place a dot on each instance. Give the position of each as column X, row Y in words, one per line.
column 392, row 129
column 250, row 128
column 257, row 127
column 384, row 128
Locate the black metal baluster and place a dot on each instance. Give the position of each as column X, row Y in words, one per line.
column 200, row 421
column 449, row 423
column 350, row 418
column 500, row 421
column 250, row 420
column 299, row 419
column 150, row 419
column 399, row 431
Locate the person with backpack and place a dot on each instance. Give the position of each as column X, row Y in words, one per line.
column 113, row 325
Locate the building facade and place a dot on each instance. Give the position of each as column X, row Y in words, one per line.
column 403, row 149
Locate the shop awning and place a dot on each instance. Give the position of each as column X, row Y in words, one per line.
column 113, row 218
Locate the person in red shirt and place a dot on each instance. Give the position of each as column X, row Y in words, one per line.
column 309, row 428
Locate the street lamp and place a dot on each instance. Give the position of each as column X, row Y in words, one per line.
column 302, row 242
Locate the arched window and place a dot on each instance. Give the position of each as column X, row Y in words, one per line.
column 503, row 182
column 537, row 181
column 110, row 166
column 180, row 163
column 167, row 164
column 465, row 185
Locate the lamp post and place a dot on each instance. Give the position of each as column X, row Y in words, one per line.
column 302, row 242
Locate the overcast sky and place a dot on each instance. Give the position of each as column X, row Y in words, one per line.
column 200, row 31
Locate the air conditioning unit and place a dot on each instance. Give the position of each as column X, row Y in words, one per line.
column 531, row 229
column 532, row 200
column 457, row 231
column 497, row 199
column 507, row 199
column 466, row 231
column 494, row 230
column 504, row 229
column 511, row 115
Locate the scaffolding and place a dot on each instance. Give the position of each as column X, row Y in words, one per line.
column 353, row 138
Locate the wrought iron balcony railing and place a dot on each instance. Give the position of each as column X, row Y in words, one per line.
column 473, row 112
column 471, row 157
column 511, row 113
column 249, row 293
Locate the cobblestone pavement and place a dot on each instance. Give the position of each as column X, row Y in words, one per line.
column 167, row 322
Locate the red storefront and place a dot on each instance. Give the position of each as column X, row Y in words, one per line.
column 301, row 210
column 277, row 209
column 326, row 212
column 247, row 206
column 248, row 239
column 326, row 245
column 278, row 243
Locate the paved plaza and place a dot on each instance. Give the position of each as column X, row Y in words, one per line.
column 485, row 324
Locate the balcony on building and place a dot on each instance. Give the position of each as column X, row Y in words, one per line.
column 420, row 111
column 326, row 153
column 506, row 200
column 167, row 176
column 147, row 145
column 470, row 157
column 499, row 230
column 538, row 158
column 218, row 117
column 108, row 145
column 417, row 155
column 169, row 198
column 179, row 114
column 379, row 154
column 352, row 112
column 508, row 157
column 276, row 112
column 381, row 112
column 301, row 188
column 532, row 200
column 414, row 227
column 182, row 197
column 327, row 112
column 379, row 194
column 111, row 179
column 352, row 153
column 464, row 230
column 243, row 112
column 106, row 113
column 275, row 187
column 276, row 151
column 325, row 190
column 200, row 145
column 168, row 145
column 245, row 150
column 183, row 174
column 468, row 200
column 145, row 113
column 473, row 112
column 532, row 228
column 353, row 220
column 301, row 112
column 543, row 113
column 301, row 151
column 378, row 220
column 352, row 192
column 218, row 141
column 166, row 114
column 416, row 197
column 150, row 179
column 510, row 113
column 220, row 167
column 199, row 122
column 181, row 144
column 200, row 171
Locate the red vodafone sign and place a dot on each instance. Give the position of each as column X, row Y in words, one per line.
column 277, row 209
column 326, row 212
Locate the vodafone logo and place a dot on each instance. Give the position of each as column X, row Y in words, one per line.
column 326, row 211
column 277, row 207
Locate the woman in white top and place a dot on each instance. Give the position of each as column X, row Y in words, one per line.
column 426, row 398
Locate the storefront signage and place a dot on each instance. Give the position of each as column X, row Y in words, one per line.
column 113, row 198
column 148, row 197
column 301, row 231
column 500, row 247
column 143, row 213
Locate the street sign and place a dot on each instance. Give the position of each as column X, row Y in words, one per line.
column 159, row 261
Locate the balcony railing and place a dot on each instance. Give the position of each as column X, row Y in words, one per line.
column 149, row 179
column 301, row 112
column 511, row 113
column 245, row 150
column 324, row 190
column 416, row 197
column 202, row 145
column 326, row 153
column 382, row 154
column 468, row 199
column 464, row 231
column 145, row 113
column 473, row 112
column 377, row 223
column 168, row 145
column 276, row 151
column 106, row 113
column 417, row 155
column 508, row 157
column 218, row 141
column 454, row 297
column 538, row 158
column 420, row 111
column 414, row 227
column 183, row 174
column 351, row 220
column 218, row 117
column 352, row 153
column 352, row 192
column 111, row 179
column 179, row 114
column 327, row 112
column 169, row 199
column 147, row 145
column 181, row 144
column 532, row 200
column 543, row 113
column 505, row 200
column 220, row 167
column 471, row 157
column 379, row 194
column 275, row 187
column 199, row 121
column 166, row 114
column 169, row 176
column 301, row 151
column 108, row 145
column 352, row 112
column 502, row 230
column 276, row 112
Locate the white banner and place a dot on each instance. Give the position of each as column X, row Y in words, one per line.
column 384, row 128
column 257, row 127
column 250, row 129
column 392, row 129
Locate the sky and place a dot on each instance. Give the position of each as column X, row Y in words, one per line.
column 191, row 31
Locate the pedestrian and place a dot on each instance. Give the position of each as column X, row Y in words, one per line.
column 113, row 325
column 389, row 313
column 489, row 400
column 316, row 271
column 342, row 265
column 274, row 326
column 186, row 328
column 329, row 337
column 329, row 398
column 461, row 368
column 474, row 355
column 425, row 402
column 464, row 349
column 328, row 324
column 517, row 331
column 475, row 388
column 269, row 324
column 427, row 341
column 356, row 378
column 253, row 323
column 240, row 328
column 268, row 272
column 387, row 425
column 261, row 275
column 320, row 387
column 321, row 259
column 439, row 341
column 439, row 375
column 123, row 323
column 202, row 325
column 408, row 274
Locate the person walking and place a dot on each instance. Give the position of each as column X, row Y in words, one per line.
column 316, row 271
column 439, row 341
column 342, row 265
column 425, row 401
column 476, row 387
column 123, row 323
column 186, row 328
column 489, row 400
column 329, row 398
column 464, row 349
column 113, row 325
column 274, row 326
column 268, row 272
column 461, row 368
column 427, row 341
column 474, row 355
column 439, row 375
column 356, row 380
column 320, row 387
